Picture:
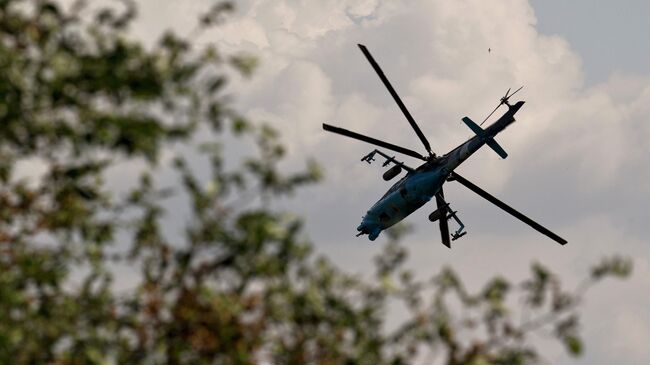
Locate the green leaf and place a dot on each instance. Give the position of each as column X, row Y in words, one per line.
column 573, row 345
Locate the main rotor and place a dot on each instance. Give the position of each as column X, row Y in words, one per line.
column 402, row 107
column 397, row 99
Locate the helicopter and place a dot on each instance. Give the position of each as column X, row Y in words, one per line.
column 425, row 182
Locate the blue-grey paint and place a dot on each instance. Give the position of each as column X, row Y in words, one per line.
column 419, row 186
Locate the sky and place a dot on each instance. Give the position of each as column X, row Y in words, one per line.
column 577, row 153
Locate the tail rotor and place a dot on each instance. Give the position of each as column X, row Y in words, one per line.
column 503, row 100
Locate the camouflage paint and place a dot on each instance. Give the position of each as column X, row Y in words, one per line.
column 419, row 186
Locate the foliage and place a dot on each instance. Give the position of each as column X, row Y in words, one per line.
column 84, row 106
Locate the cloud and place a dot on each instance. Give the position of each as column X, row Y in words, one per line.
column 436, row 55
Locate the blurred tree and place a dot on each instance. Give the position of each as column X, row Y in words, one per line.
column 82, row 103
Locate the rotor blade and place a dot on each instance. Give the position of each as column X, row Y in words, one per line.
column 444, row 226
column 396, row 97
column 503, row 100
column 374, row 141
column 489, row 115
column 507, row 208
column 515, row 92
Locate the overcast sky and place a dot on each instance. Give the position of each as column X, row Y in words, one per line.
column 577, row 154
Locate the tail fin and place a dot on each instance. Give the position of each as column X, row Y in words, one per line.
column 488, row 140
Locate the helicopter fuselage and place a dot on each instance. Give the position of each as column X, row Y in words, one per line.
column 420, row 185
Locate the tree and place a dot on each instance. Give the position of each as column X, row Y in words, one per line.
column 80, row 99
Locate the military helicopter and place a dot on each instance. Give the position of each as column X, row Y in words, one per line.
column 421, row 184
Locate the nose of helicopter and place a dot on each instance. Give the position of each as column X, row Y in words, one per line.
column 366, row 227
